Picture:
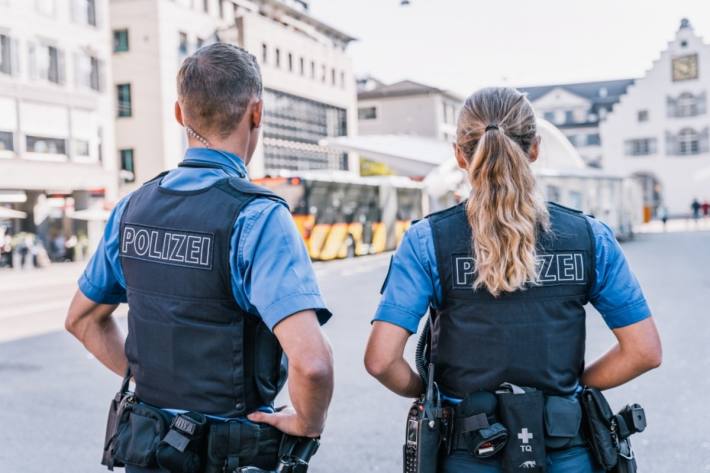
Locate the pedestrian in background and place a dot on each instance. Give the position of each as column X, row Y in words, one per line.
column 706, row 208
column 663, row 215
column 695, row 209
column 505, row 306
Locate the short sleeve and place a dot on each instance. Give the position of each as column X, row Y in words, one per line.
column 616, row 294
column 412, row 283
column 273, row 276
column 102, row 280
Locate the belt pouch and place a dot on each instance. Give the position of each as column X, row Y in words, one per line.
column 563, row 418
column 521, row 411
column 241, row 443
column 598, row 416
column 140, row 430
column 181, row 450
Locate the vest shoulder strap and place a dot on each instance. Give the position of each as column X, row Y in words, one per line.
column 442, row 214
column 557, row 206
column 156, row 178
column 240, row 187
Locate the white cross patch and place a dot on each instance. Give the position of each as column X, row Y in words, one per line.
column 525, row 436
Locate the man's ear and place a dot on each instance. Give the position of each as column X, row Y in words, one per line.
column 257, row 109
column 534, row 150
column 178, row 114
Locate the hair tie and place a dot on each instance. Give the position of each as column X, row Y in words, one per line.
column 492, row 126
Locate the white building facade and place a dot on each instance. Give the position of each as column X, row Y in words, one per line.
column 309, row 86
column 660, row 130
column 56, row 113
column 407, row 108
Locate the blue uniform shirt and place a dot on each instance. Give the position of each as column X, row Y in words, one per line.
column 272, row 276
column 413, row 283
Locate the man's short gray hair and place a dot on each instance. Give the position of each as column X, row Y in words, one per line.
column 215, row 86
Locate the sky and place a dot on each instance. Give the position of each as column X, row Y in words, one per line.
column 462, row 45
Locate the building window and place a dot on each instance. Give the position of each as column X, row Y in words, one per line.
column 322, row 73
column 686, row 105
column 549, row 116
column 5, row 54
column 120, row 41
column 593, row 139
column 640, row 146
column 220, row 3
column 573, row 139
column 293, row 127
column 125, row 105
column 88, row 69
column 90, row 6
column 332, row 77
column 569, row 116
column 277, row 58
column 688, row 142
column 301, row 66
column 290, row 62
column 642, row 115
column 342, row 79
column 128, row 165
column 45, row 145
column 264, row 53
column 313, row 69
column 81, row 148
column 7, row 141
column 367, row 113
column 182, row 43
column 49, row 63
column 206, row 6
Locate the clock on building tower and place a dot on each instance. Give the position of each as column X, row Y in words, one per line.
column 685, row 67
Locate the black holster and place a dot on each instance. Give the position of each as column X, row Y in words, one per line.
column 609, row 434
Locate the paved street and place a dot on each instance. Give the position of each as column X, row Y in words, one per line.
column 54, row 396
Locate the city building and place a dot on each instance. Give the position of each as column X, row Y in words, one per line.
column 407, row 108
column 309, row 86
column 56, row 114
column 577, row 110
column 660, row 129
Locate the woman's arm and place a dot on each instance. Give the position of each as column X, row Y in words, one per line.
column 384, row 359
column 638, row 350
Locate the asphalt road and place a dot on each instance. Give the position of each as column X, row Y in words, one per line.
column 54, row 396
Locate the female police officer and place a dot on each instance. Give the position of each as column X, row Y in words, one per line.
column 506, row 278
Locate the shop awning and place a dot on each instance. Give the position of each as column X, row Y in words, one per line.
column 91, row 215
column 8, row 214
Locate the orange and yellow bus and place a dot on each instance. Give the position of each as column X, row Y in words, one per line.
column 342, row 216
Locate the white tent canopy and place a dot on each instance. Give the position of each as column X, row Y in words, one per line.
column 8, row 214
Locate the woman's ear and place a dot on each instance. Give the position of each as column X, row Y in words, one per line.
column 534, row 149
column 460, row 157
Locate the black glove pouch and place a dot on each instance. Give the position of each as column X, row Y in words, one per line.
column 522, row 414
column 235, row 444
column 563, row 419
column 475, row 421
column 140, row 429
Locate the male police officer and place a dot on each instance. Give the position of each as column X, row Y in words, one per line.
column 216, row 276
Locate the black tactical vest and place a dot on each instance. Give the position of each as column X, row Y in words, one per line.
column 190, row 346
column 533, row 337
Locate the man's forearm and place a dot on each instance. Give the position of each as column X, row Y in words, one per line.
column 105, row 341
column 311, row 391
